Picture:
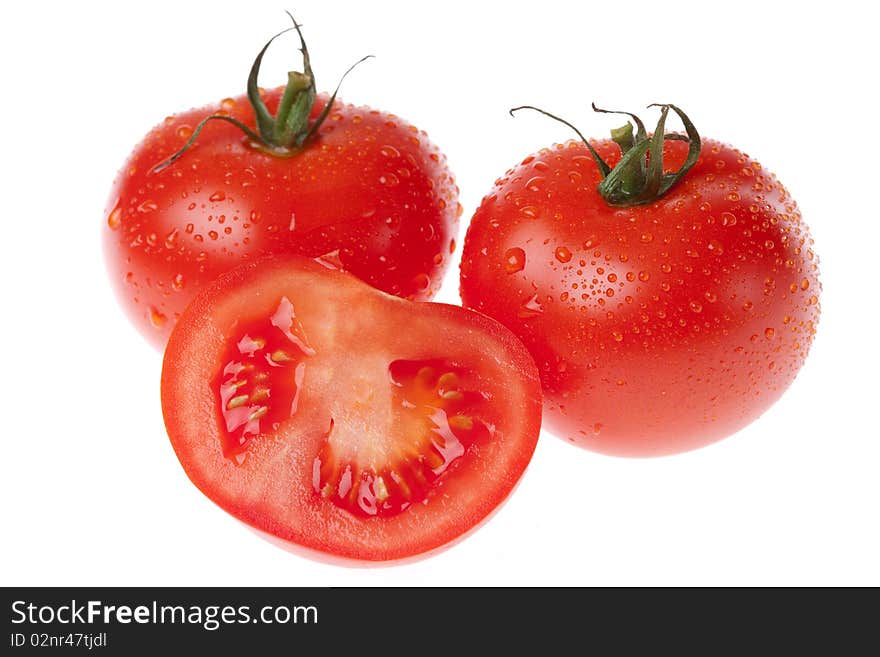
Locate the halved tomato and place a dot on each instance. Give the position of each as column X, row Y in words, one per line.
column 344, row 420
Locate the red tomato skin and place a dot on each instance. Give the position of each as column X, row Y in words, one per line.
column 656, row 329
column 275, row 496
column 372, row 191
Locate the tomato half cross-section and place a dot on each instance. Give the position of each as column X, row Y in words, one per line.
column 283, row 171
column 344, row 420
column 666, row 285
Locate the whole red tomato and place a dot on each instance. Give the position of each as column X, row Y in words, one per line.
column 665, row 311
column 307, row 175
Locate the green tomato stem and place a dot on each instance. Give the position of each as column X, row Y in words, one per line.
column 286, row 133
column 639, row 178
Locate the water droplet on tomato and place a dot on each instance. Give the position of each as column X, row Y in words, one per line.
column 389, row 180
column 171, row 238
column 114, row 220
column 421, row 282
column 535, row 184
column 178, row 282
column 646, row 238
column 715, row 247
column 529, row 211
column 157, row 319
column 769, row 333
column 562, row 254
column 514, row 260
column 147, row 206
column 216, row 197
column 389, row 151
column 227, row 104
column 728, row 219
column 530, row 308
column 331, row 260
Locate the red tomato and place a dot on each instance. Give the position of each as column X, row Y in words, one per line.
column 660, row 327
column 344, row 420
column 367, row 190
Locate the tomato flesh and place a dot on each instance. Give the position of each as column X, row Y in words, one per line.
column 261, row 377
column 435, row 420
column 344, row 420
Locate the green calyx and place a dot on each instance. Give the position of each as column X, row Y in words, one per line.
column 287, row 132
column 639, row 177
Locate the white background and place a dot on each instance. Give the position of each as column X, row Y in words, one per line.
column 91, row 490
